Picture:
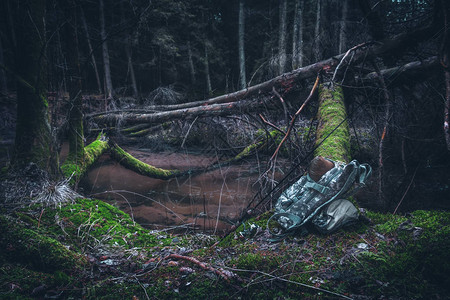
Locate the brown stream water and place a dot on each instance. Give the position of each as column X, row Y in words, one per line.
column 209, row 201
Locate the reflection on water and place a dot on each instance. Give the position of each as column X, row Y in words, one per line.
column 196, row 200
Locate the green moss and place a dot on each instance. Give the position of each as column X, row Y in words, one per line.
column 76, row 167
column 128, row 161
column 332, row 133
column 89, row 221
column 32, row 248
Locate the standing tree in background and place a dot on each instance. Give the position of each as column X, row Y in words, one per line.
column 3, row 85
column 316, row 48
column 241, row 25
column 282, row 36
column 106, row 63
column 297, row 36
column 207, row 75
column 343, row 27
column 34, row 142
column 91, row 50
column 70, row 29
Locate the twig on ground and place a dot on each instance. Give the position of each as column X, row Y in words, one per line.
column 224, row 274
column 271, row 125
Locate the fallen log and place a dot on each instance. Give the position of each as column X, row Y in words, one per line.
column 405, row 72
column 74, row 167
column 134, row 164
column 332, row 134
column 245, row 106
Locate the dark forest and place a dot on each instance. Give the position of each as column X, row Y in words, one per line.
column 272, row 149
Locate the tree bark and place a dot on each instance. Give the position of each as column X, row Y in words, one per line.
column 445, row 62
column 191, row 63
column 406, row 72
column 221, row 109
column 241, row 35
column 76, row 135
column 91, row 50
column 297, row 37
column 343, row 27
column 207, row 75
column 3, row 85
column 106, row 62
column 282, row 36
column 131, row 68
column 34, row 142
column 317, row 25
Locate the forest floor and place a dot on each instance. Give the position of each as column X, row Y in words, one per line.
column 88, row 249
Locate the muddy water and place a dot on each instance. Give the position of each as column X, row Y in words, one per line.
column 210, row 201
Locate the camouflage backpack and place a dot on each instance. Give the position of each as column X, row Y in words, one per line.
column 308, row 200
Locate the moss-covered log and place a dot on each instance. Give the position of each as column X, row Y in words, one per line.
column 134, row 164
column 332, row 136
column 76, row 167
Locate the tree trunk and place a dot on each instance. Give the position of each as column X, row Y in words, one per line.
column 131, row 68
column 208, row 78
column 106, row 63
column 34, row 143
column 282, row 36
column 445, row 61
column 91, row 51
column 3, row 85
column 191, row 63
column 222, row 109
column 76, row 135
column 343, row 27
column 242, row 75
column 332, row 135
column 75, row 169
column 316, row 49
column 297, row 37
column 134, row 164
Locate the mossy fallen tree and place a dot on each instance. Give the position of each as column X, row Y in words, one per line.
column 75, row 166
column 332, row 135
column 134, row 164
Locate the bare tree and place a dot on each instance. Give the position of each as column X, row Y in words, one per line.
column 191, row 63
column 343, row 27
column 105, row 52
column 297, row 37
column 241, row 31
column 3, row 86
column 207, row 75
column 282, row 36
column 316, row 48
column 91, row 50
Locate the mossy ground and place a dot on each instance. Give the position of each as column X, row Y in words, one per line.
column 92, row 250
